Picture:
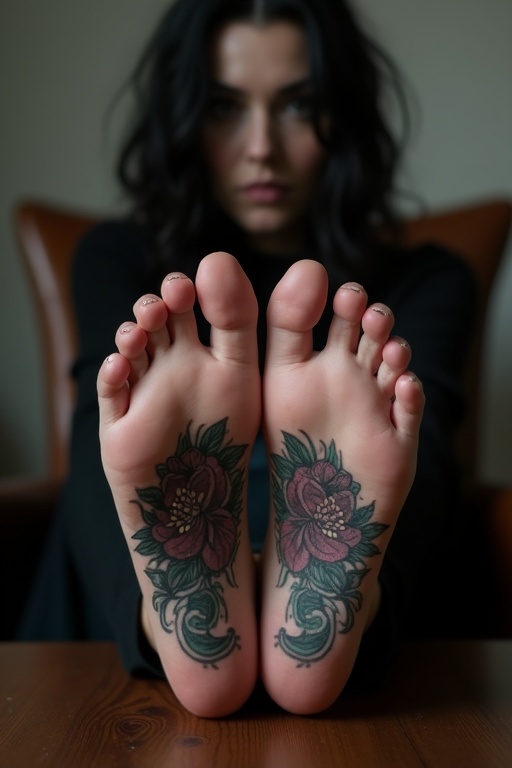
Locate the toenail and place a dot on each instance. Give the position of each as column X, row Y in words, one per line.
column 126, row 329
column 149, row 301
column 401, row 342
column 381, row 311
column 176, row 276
column 108, row 359
column 354, row 288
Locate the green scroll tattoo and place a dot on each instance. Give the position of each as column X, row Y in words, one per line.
column 191, row 535
column 323, row 542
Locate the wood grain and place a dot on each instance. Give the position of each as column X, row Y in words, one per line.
column 72, row 705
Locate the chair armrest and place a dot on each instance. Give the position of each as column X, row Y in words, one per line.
column 500, row 542
column 32, row 496
column 27, row 505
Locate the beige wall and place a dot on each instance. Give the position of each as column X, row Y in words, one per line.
column 60, row 63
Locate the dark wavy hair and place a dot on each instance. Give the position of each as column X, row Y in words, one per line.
column 160, row 165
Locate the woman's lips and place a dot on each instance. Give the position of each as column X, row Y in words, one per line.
column 264, row 193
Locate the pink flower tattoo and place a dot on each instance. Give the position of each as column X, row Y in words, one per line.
column 195, row 519
column 320, row 505
column 190, row 537
column 324, row 541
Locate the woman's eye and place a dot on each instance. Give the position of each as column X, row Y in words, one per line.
column 222, row 108
column 301, row 108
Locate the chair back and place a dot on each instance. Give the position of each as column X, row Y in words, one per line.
column 479, row 234
column 47, row 237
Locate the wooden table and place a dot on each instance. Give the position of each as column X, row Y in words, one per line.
column 72, row 705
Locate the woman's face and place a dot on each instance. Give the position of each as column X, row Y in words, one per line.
column 258, row 140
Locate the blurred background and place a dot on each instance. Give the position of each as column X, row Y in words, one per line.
column 62, row 62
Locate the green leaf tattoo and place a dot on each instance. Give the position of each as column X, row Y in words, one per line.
column 191, row 535
column 323, row 542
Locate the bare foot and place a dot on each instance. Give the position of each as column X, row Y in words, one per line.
column 177, row 423
column 341, row 428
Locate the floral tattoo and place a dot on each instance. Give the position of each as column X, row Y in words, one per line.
column 191, row 535
column 323, row 542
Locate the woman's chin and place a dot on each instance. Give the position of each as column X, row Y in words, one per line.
column 272, row 236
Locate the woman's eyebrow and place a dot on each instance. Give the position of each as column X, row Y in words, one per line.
column 285, row 90
column 299, row 85
column 229, row 90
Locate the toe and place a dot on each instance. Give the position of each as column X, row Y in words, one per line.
column 407, row 409
column 228, row 303
column 179, row 295
column 396, row 356
column 295, row 307
column 131, row 342
column 113, row 390
column 376, row 323
column 151, row 315
column 130, row 339
column 349, row 305
column 150, row 312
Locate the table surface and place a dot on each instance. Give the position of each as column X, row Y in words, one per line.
column 72, row 705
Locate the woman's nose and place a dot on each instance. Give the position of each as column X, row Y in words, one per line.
column 261, row 137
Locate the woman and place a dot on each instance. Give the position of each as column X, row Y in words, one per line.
column 259, row 133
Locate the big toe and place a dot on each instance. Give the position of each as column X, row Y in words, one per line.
column 228, row 302
column 295, row 307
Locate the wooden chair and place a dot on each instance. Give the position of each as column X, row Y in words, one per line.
column 479, row 234
column 47, row 238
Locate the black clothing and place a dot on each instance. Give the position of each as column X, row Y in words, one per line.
column 87, row 588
